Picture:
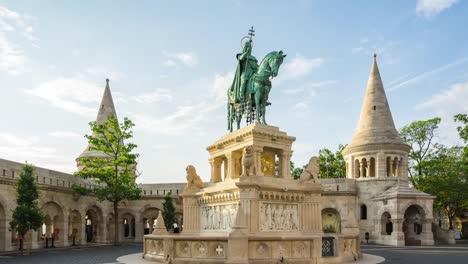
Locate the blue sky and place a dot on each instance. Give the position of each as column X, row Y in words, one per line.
column 170, row 63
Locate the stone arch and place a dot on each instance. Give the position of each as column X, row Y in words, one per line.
column 127, row 224
column 386, row 224
column 413, row 224
column 372, row 167
column 94, row 224
column 54, row 222
column 75, row 228
column 148, row 217
column 331, row 221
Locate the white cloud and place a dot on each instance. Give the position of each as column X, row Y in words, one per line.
column 13, row 59
column 25, row 148
column 64, row 134
column 400, row 82
column 222, row 83
column 446, row 104
column 309, row 87
column 190, row 116
column 187, row 58
column 430, row 8
column 70, row 94
column 153, row 97
column 299, row 67
column 454, row 98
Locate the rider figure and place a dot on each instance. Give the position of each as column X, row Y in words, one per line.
column 248, row 65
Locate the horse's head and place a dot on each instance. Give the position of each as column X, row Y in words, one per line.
column 275, row 62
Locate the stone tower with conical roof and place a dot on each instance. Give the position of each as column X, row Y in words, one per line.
column 376, row 150
column 106, row 109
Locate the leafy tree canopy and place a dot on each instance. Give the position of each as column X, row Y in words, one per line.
column 115, row 171
column 332, row 164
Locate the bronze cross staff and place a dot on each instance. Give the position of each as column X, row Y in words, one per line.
column 251, row 32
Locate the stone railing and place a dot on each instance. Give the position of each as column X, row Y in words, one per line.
column 338, row 185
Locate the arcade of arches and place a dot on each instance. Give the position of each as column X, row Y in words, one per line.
column 71, row 220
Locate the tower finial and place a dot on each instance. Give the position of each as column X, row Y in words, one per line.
column 375, row 56
column 107, row 81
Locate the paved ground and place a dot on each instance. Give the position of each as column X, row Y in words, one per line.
column 91, row 255
column 108, row 254
column 428, row 255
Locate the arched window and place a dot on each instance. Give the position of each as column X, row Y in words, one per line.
column 364, row 168
column 387, row 225
column 363, row 212
column 372, row 167
column 388, row 166
column 126, row 228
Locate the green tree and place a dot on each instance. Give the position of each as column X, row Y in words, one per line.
column 332, row 165
column 446, row 177
column 27, row 214
column 420, row 136
column 168, row 211
column 115, row 173
column 463, row 129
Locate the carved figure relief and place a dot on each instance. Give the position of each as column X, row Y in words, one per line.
column 218, row 217
column 277, row 217
column 248, row 161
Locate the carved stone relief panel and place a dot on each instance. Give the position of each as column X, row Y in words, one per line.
column 183, row 249
column 281, row 249
column 154, row 247
column 199, row 249
column 300, row 249
column 260, row 250
column 278, row 217
column 217, row 249
column 218, row 217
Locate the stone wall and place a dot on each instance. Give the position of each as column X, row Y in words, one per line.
column 70, row 216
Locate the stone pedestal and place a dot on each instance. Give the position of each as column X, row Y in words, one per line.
column 266, row 217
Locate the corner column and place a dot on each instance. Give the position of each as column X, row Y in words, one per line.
column 191, row 214
column 286, row 164
column 215, row 170
column 258, row 160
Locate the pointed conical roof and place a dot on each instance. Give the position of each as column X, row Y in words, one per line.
column 159, row 225
column 376, row 124
column 106, row 109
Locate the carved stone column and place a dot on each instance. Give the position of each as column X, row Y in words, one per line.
column 215, row 170
column 191, row 214
column 138, row 229
column 286, row 164
column 258, row 162
column 397, row 234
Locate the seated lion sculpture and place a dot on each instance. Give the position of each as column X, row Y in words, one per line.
column 194, row 182
column 311, row 172
column 248, row 161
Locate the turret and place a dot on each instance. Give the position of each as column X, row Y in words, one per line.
column 106, row 109
column 376, row 150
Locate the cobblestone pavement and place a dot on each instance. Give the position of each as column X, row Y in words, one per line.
column 428, row 255
column 108, row 254
column 89, row 255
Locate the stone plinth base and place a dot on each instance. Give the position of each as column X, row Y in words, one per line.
column 248, row 249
